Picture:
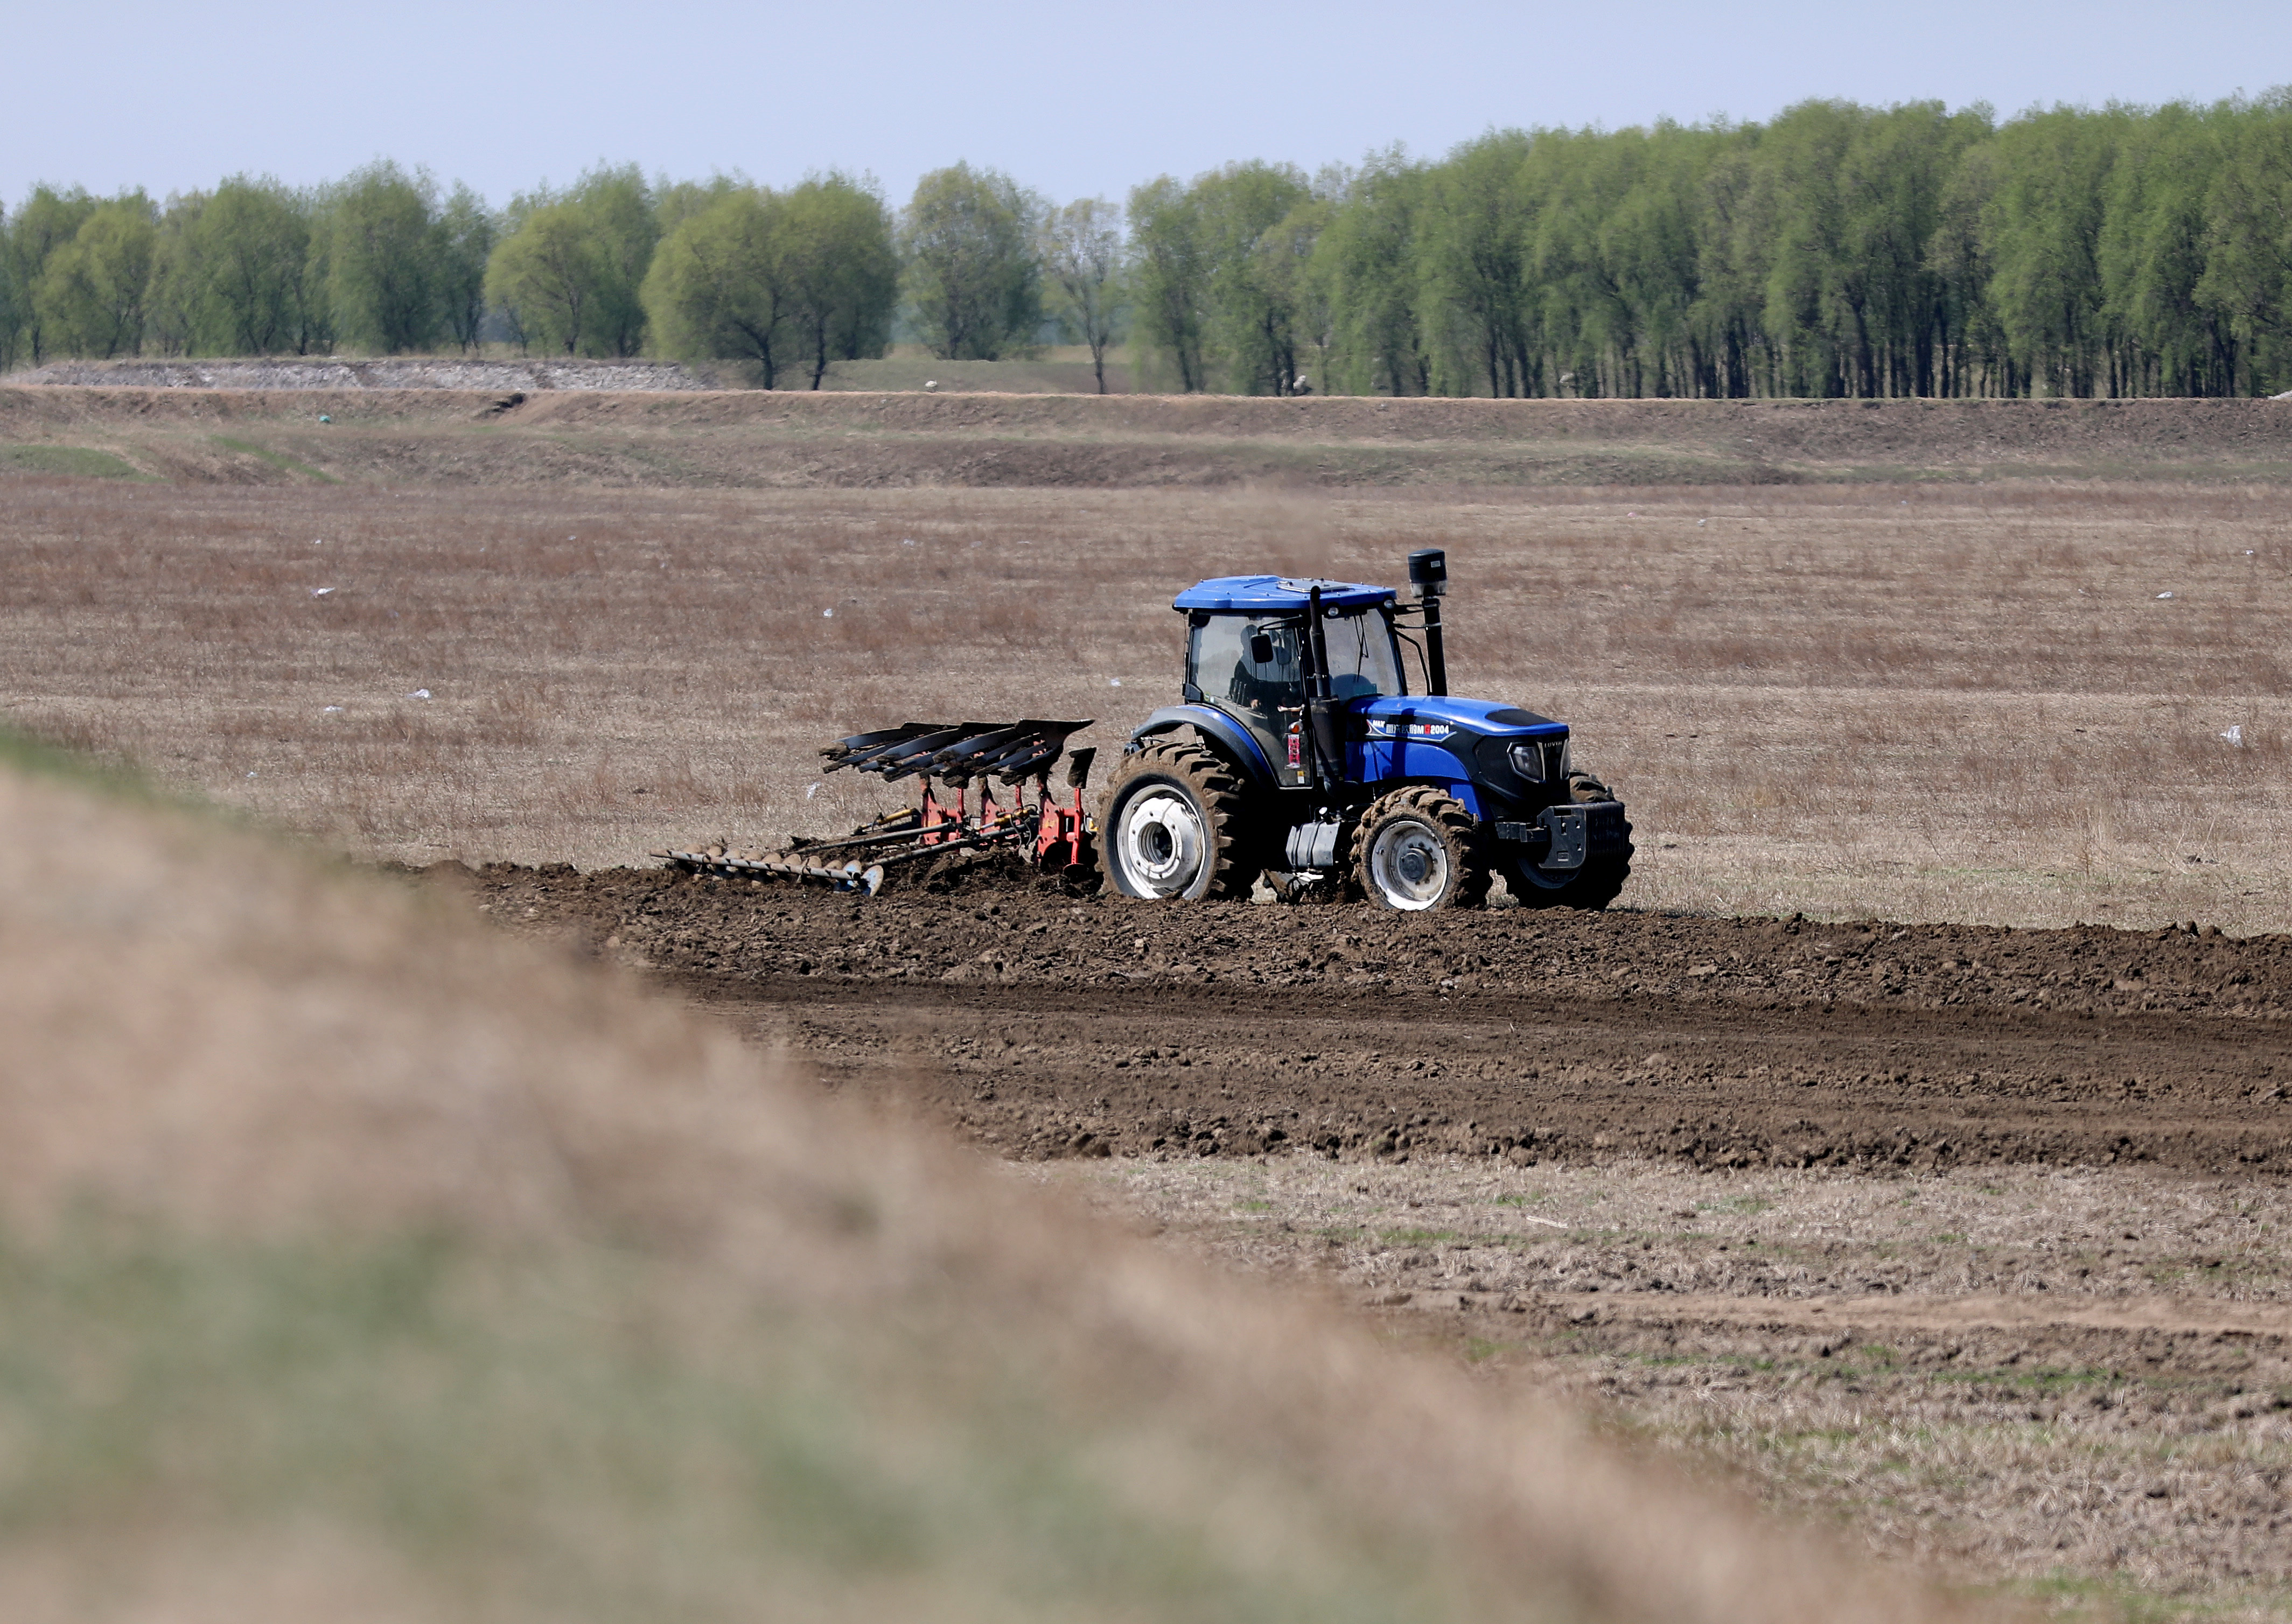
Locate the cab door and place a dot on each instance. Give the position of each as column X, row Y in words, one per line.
column 1254, row 669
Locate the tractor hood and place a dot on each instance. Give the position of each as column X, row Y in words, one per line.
column 1433, row 716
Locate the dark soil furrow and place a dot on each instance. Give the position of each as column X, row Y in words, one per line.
column 1042, row 1026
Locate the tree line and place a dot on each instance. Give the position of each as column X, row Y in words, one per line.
column 1837, row 250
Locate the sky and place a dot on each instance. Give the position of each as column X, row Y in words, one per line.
column 1073, row 98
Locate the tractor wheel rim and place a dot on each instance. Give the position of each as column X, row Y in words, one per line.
column 1162, row 842
column 1409, row 864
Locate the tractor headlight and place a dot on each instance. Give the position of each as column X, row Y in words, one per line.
column 1528, row 761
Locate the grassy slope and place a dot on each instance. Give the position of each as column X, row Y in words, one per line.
column 364, row 1266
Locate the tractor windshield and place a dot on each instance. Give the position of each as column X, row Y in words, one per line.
column 1361, row 661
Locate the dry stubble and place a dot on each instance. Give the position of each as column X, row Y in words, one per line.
column 1964, row 703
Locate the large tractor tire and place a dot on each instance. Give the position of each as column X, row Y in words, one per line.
column 1592, row 886
column 1418, row 849
column 1176, row 826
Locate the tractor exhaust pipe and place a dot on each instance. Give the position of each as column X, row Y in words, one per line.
column 1428, row 572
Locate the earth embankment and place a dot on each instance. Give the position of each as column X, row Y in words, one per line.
column 783, row 438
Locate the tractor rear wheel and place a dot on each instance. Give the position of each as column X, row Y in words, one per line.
column 1418, row 849
column 1176, row 826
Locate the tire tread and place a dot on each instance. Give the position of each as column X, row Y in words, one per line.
column 1234, row 867
column 1467, row 842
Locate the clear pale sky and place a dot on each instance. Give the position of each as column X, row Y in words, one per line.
column 1072, row 99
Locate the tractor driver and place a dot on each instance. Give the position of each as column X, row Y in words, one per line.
column 1269, row 676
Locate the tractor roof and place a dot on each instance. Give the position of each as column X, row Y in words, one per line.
column 1275, row 594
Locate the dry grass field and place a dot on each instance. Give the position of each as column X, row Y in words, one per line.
column 2019, row 666
column 1998, row 703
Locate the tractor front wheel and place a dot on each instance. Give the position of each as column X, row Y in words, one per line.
column 1418, row 849
column 1594, row 885
column 1175, row 826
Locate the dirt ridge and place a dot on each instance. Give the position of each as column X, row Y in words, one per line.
column 1741, row 434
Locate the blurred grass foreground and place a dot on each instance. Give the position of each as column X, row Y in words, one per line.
column 360, row 1264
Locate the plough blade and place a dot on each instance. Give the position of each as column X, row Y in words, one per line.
column 958, row 755
column 952, row 750
column 1020, row 751
column 909, row 749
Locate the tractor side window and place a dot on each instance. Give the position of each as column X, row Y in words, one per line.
column 1361, row 660
column 1251, row 665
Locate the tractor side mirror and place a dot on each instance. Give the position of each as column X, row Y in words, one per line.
column 1261, row 649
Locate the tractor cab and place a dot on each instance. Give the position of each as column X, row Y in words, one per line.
column 1249, row 653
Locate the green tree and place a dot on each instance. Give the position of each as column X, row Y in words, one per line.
column 547, row 273
column 1300, row 281
column 1974, row 355
column 247, row 252
column 11, row 302
column 1730, row 270
column 1897, row 174
column 171, row 313
column 1801, row 210
column 570, row 268
column 90, row 297
column 619, row 208
column 675, row 202
column 467, row 230
column 384, row 249
column 48, row 219
column 968, row 236
column 2043, row 231
column 2247, row 284
column 1251, row 264
column 1480, row 215
column 1081, row 253
column 834, row 249
column 1611, row 261
column 1366, row 270
column 718, row 288
column 1171, row 276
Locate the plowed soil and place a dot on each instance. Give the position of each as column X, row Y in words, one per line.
column 1044, row 1026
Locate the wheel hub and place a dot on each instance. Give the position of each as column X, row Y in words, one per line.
column 1408, row 863
column 1162, row 842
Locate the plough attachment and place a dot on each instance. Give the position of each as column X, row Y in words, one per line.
column 951, row 757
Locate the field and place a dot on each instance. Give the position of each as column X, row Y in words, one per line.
column 1960, row 1230
column 362, row 1264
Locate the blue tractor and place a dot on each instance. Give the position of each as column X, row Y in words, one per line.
column 1300, row 755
